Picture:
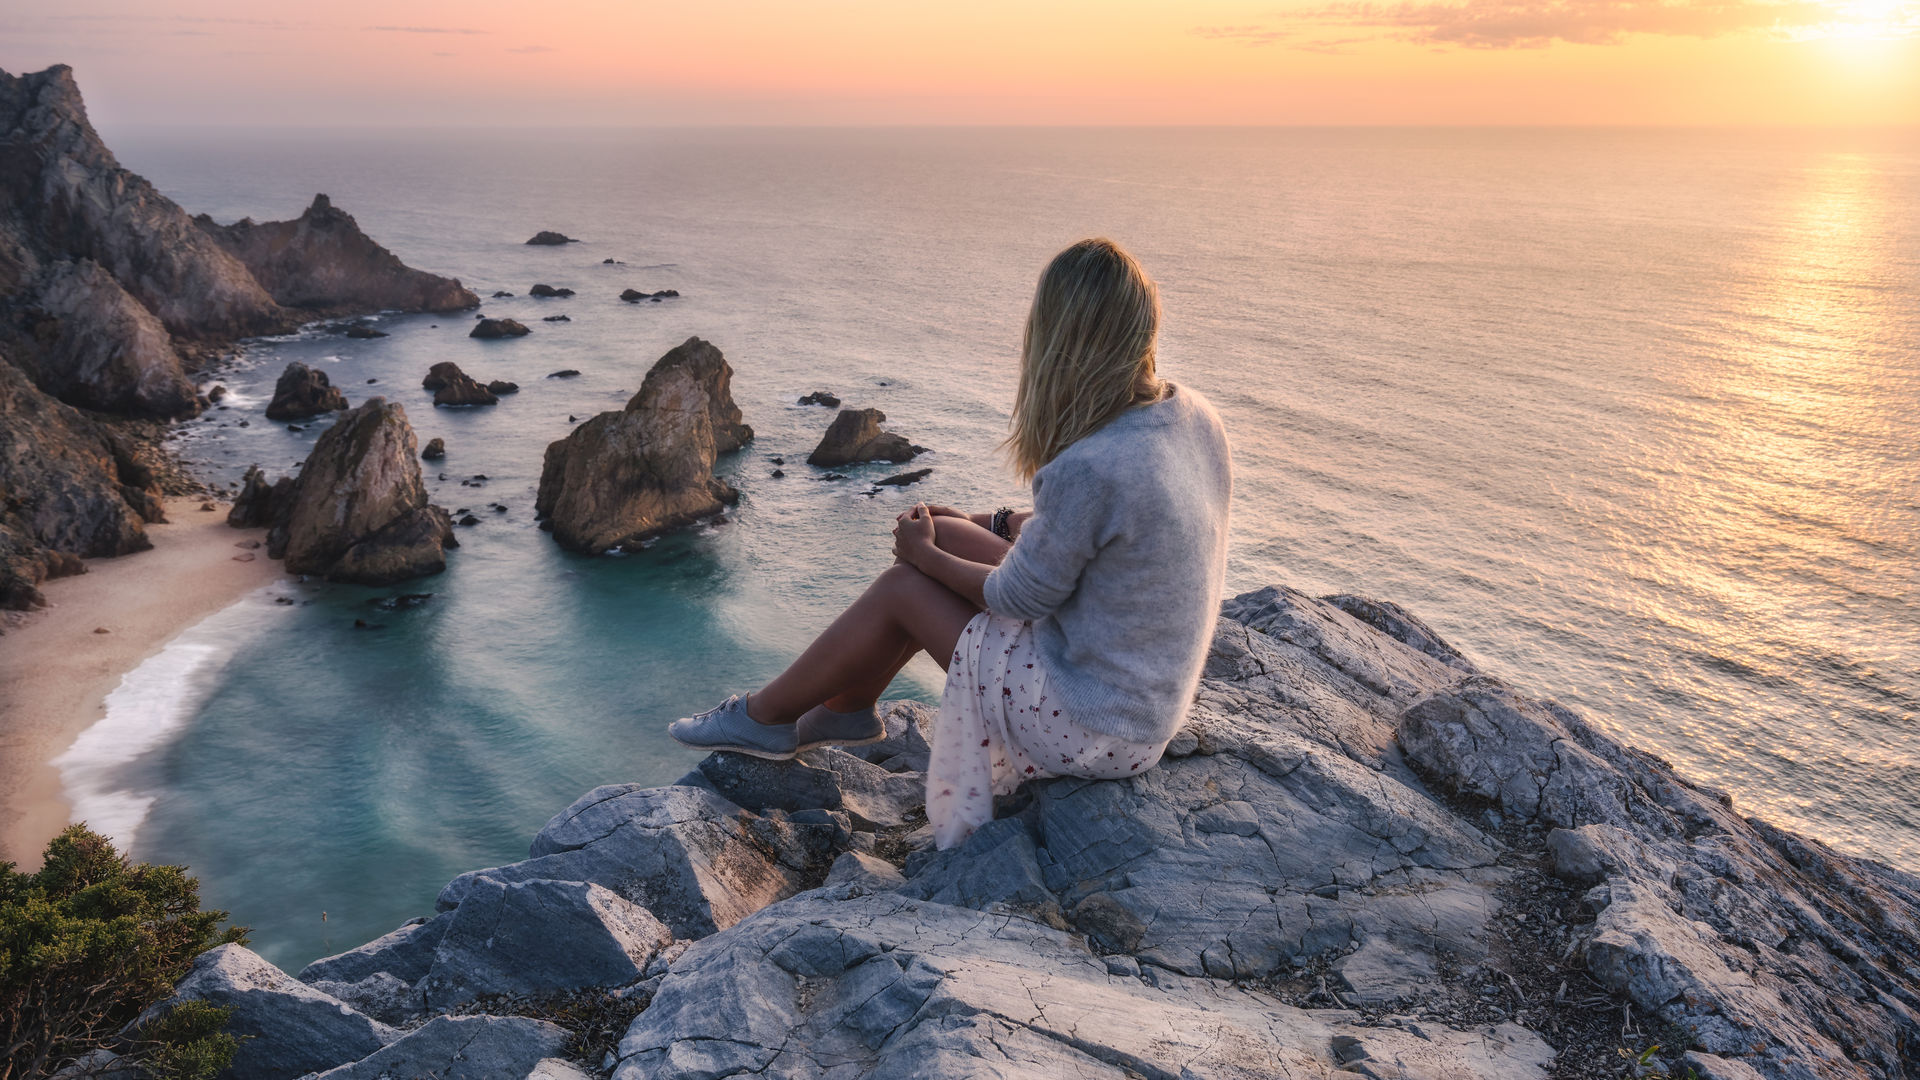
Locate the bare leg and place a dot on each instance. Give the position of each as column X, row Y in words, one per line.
column 959, row 537
column 902, row 609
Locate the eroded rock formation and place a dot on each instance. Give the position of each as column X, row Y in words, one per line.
column 301, row 392
column 70, row 487
column 624, row 476
column 1360, row 855
column 855, row 436
column 498, row 328
column 453, row 387
column 322, row 263
column 358, row 510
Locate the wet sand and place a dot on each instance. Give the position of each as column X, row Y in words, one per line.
column 56, row 669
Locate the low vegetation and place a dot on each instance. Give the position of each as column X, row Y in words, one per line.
column 90, row 941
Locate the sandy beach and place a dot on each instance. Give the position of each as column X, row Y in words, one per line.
column 56, row 669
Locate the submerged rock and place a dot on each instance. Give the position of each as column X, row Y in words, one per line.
column 905, row 478
column 549, row 291
column 502, row 386
column 820, row 397
column 855, row 436
column 552, row 239
column 302, row 392
column 358, row 511
column 634, row 296
column 624, row 476
column 498, row 328
column 359, row 332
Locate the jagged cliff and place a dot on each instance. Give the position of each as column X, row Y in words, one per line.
column 110, row 294
column 1361, row 855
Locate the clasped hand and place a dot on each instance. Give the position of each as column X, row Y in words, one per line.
column 913, row 534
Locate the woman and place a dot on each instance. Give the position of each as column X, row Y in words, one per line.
column 1073, row 635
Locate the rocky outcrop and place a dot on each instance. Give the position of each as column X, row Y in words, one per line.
column 820, row 397
column 101, row 349
column 547, row 238
column 301, row 392
column 549, row 292
column 70, row 487
column 625, row 476
column 436, row 449
column 109, row 295
column 498, row 328
column 856, row 436
column 453, row 387
column 358, row 511
column 321, row 263
column 1359, row 855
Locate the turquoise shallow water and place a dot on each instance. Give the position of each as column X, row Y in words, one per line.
column 1630, row 417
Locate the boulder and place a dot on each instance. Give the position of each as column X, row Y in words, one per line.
column 820, row 397
column 462, row 1048
column 359, row 510
column 623, row 477
column 322, row 262
column 261, row 503
column 549, row 291
column 302, row 392
column 453, row 387
column 502, row 386
column 498, row 328
column 435, row 450
column 551, row 239
column 696, row 861
column 535, row 938
column 855, row 436
column 285, row 1027
column 101, row 348
column 823, row 779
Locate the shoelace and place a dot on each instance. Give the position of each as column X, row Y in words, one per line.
column 720, row 708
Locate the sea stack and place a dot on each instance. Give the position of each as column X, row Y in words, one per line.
column 855, row 436
column 625, row 476
column 302, row 392
column 359, row 512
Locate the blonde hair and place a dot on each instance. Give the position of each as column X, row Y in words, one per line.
column 1088, row 352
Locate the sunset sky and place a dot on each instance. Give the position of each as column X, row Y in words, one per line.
column 483, row 62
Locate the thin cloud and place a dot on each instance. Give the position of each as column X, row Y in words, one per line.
column 1252, row 36
column 427, row 30
column 1533, row 24
column 264, row 24
column 526, row 49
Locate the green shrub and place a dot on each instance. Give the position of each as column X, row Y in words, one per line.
column 90, row 941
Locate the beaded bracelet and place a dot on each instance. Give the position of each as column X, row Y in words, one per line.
column 1000, row 528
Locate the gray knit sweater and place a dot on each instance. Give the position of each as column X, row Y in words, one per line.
column 1121, row 566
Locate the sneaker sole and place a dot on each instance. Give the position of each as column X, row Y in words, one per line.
column 882, row 737
column 765, row 755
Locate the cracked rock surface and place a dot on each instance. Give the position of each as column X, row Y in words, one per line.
column 1360, row 855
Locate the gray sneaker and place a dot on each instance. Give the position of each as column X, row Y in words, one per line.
column 727, row 727
column 822, row 726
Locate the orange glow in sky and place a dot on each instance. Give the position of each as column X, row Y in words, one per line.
column 485, row 62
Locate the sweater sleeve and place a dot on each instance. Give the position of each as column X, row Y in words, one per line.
column 1043, row 567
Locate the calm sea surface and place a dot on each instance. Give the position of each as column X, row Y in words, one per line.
column 1630, row 417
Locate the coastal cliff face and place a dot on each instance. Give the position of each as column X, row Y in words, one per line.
column 1360, row 855
column 322, row 262
column 109, row 295
column 70, row 486
column 624, row 476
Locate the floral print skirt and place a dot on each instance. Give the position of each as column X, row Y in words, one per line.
column 996, row 730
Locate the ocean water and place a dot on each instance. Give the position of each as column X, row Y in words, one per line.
column 1630, row 417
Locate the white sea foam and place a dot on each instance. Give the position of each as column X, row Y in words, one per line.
column 149, row 709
